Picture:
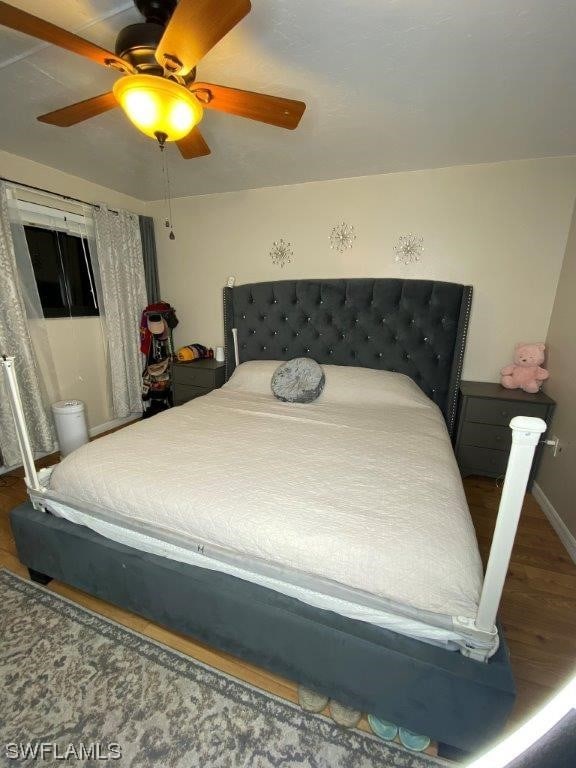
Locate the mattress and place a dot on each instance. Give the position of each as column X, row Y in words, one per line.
column 354, row 499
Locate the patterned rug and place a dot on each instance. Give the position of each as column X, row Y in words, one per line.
column 75, row 684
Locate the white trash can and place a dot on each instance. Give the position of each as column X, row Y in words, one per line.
column 71, row 427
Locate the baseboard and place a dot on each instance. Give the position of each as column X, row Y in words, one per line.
column 114, row 424
column 564, row 533
column 92, row 432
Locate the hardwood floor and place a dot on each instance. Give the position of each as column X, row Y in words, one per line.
column 538, row 608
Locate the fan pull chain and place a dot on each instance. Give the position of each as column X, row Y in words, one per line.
column 166, row 179
column 172, row 236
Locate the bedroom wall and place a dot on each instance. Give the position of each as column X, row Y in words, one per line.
column 501, row 228
column 556, row 476
column 77, row 344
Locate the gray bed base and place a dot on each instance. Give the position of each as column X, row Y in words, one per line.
column 453, row 699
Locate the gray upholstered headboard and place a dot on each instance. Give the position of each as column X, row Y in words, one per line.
column 416, row 327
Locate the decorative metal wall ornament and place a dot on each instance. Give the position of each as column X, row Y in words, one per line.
column 342, row 237
column 409, row 249
column 281, row 252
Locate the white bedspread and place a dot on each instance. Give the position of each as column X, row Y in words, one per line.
column 359, row 488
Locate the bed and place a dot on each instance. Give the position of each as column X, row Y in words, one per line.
column 330, row 542
column 303, row 499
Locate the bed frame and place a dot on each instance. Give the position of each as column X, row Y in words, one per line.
column 414, row 327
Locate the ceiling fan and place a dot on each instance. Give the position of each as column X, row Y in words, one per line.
column 157, row 59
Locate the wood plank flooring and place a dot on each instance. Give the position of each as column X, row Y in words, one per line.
column 538, row 608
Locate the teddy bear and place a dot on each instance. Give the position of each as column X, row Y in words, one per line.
column 526, row 372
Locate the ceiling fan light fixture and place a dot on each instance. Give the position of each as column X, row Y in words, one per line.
column 156, row 105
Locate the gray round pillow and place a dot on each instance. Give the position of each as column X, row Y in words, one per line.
column 300, row 380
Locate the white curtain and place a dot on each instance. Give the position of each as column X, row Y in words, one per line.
column 23, row 212
column 119, row 274
column 19, row 301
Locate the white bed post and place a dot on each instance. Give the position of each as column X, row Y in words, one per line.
column 20, row 422
column 236, row 354
column 526, row 433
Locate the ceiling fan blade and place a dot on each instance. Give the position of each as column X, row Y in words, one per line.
column 24, row 22
column 195, row 27
column 285, row 113
column 80, row 111
column 193, row 145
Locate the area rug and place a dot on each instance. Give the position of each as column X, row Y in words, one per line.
column 78, row 689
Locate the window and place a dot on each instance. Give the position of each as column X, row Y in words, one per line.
column 63, row 272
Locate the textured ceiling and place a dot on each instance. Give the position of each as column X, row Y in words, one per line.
column 390, row 85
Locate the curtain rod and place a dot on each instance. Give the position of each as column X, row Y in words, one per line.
column 56, row 194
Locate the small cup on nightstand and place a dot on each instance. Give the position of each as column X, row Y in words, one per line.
column 219, row 357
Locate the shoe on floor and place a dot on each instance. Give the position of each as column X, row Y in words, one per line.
column 414, row 741
column 310, row 700
column 383, row 728
column 342, row 715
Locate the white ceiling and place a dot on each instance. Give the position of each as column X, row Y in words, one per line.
column 390, row 85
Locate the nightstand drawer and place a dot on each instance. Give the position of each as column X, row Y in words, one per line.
column 183, row 393
column 486, row 436
column 194, row 377
column 500, row 411
column 482, row 461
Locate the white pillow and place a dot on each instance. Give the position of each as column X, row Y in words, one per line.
column 344, row 384
column 253, row 376
column 368, row 386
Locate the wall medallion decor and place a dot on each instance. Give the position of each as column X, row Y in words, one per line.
column 281, row 252
column 409, row 249
column 342, row 237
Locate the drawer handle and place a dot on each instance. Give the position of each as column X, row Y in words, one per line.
column 498, row 438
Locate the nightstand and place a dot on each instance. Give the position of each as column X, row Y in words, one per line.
column 483, row 436
column 190, row 380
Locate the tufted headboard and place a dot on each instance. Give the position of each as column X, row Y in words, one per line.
column 416, row 327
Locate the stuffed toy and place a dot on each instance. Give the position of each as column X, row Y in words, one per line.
column 526, row 372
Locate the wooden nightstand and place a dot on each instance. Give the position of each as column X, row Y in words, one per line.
column 190, row 380
column 483, row 436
